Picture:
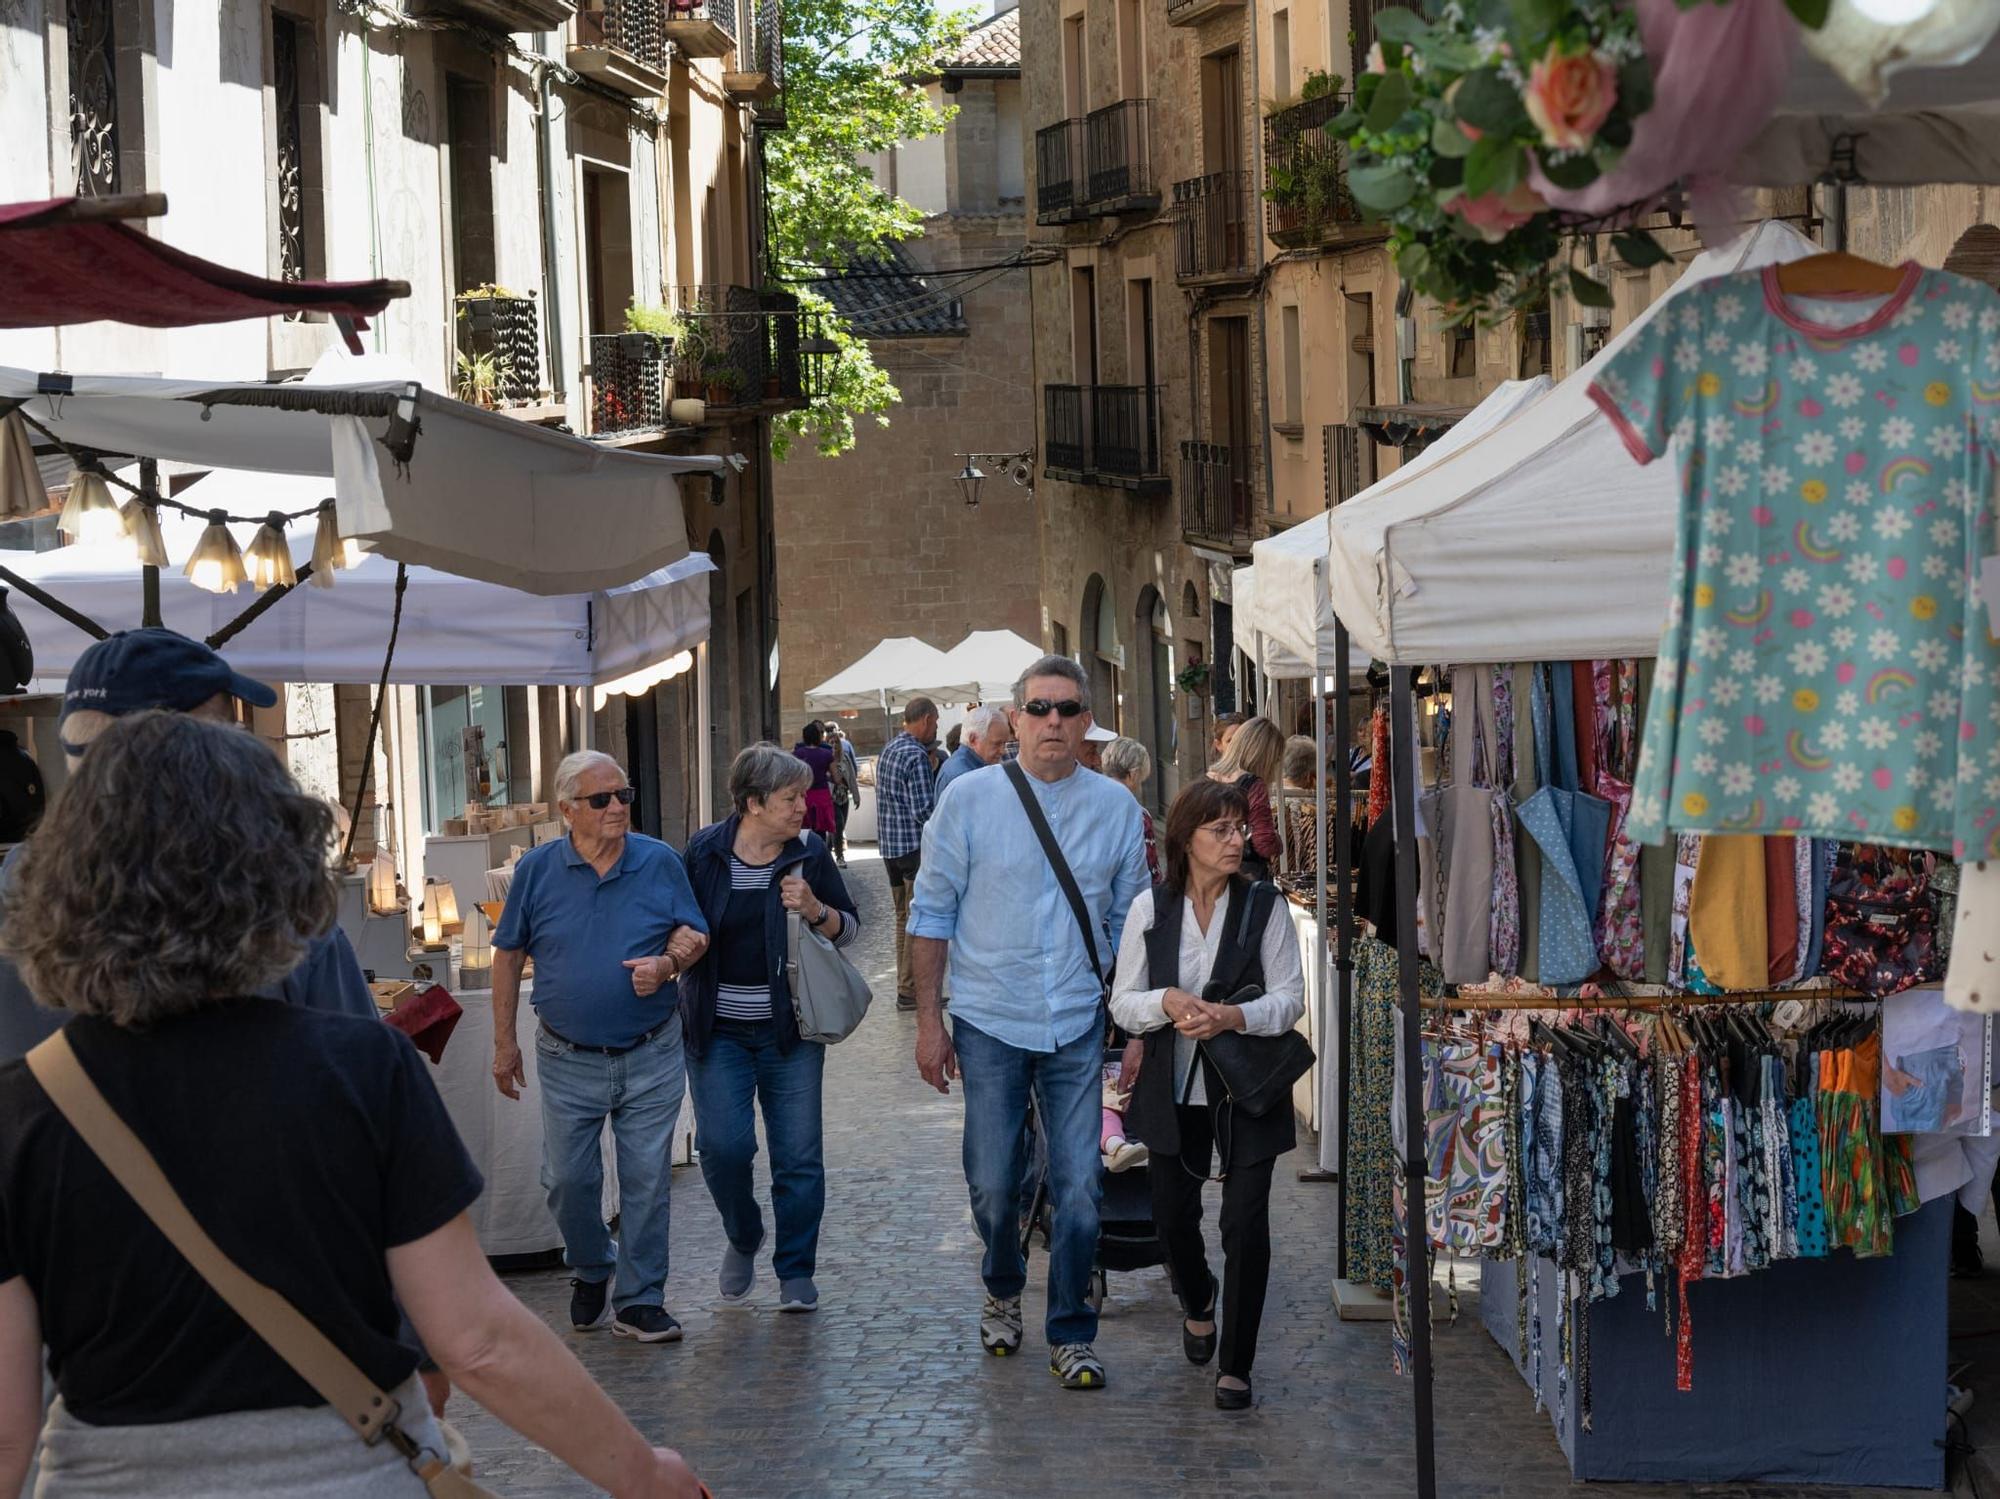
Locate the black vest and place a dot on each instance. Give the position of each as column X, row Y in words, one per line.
column 1238, row 961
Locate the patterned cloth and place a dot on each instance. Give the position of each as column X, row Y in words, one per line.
column 905, row 793
column 1824, row 668
column 1621, row 938
column 1465, row 1185
column 1371, row 1148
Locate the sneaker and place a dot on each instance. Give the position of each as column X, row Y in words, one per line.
column 1000, row 1325
column 589, row 1304
column 738, row 1274
column 799, row 1295
column 906, row 1003
column 1129, row 1154
column 647, row 1324
column 1077, row 1366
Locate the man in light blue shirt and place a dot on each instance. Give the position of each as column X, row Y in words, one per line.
column 984, row 739
column 1027, row 1000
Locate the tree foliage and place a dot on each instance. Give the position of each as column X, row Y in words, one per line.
column 850, row 67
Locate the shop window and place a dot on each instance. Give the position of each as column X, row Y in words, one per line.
column 457, row 767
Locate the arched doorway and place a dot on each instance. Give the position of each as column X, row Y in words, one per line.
column 1154, row 634
column 722, row 739
column 1103, row 654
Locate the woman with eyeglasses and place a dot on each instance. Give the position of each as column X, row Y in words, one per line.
column 1207, row 951
column 1252, row 764
column 750, row 872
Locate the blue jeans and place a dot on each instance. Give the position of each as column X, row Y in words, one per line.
column 1068, row 1085
column 640, row 1093
column 742, row 1069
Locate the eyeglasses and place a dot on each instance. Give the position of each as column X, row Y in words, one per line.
column 1041, row 707
column 1226, row 830
column 599, row 800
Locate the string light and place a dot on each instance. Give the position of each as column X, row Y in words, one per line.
column 331, row 550
column 142, row 530
column 269, row 557
column 89, row 514
column 217, row 562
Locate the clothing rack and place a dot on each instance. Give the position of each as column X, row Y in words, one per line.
column 1687, row 1001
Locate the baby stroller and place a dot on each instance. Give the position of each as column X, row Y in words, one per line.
column 1126, row 1238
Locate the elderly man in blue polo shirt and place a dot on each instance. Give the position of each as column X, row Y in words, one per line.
column 610, row 920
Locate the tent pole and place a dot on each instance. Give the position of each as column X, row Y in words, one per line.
column 1343, row 922
column 1416, row 1241
column 704, row 751
column 1323, row 1014
column 149, row 576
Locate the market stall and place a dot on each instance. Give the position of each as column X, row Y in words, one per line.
column 982, row 668
column 879, row 679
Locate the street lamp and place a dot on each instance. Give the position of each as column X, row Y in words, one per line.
column 969, row 480
column 1017, row 466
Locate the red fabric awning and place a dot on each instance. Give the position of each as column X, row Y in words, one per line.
column 70, row 260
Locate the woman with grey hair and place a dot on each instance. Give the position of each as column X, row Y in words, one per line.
column 180, row 870
column 750, row 872
column 1130, row 764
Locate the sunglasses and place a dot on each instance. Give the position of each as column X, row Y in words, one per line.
column 597, row 801
column 1041, row 707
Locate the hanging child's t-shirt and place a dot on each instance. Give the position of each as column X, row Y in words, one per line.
column 1826, row 669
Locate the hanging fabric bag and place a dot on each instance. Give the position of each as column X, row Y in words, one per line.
column 1620, row 927
column 1557, row 818
column 1881, row 921
column 1459, row 815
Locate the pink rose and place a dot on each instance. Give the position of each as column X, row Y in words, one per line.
column 1496, row 215
column 1570, row 96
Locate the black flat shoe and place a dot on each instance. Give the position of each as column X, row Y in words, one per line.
column 1227, row 1399
column 1199, row 1348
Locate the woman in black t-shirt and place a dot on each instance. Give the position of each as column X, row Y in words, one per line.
column 180, row 869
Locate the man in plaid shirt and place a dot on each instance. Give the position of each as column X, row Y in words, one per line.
column 905, row 792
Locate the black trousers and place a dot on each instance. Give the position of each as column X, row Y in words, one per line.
column 840, row 811
column 1246, row 1237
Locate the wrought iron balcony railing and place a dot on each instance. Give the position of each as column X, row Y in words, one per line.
column 701, row 28
column 1213, row 228
column 499, row 349
column 1218, row 501
column 742, row 348
column 628, row 383
column 1306, row 201
column 623, row 45
column 1189, row 12
column 759, row 74
column 1349, row 463
column 1059, row 194
column 1118, row 155
column 1103, row 434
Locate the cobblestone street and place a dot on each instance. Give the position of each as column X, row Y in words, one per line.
column 885, row 1391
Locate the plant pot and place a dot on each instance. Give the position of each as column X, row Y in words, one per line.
column 635, row 346
column 774, row 388
column 688, row 390
column 687, row 411
column 720, row 395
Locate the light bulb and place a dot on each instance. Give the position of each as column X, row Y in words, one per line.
column 89, row 514
column 1895, row 12
column 217, row 562
column 331, row 550
column 142, row 531
column 270, row 556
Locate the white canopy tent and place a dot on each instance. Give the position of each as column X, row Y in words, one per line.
column 878, row 679
column 983, row 668
column 420, row 477
column 454, row 630
column 1540, row 540
column 1287, row 598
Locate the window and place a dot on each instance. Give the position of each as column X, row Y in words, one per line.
column 607, row 227
column 1140, row 368
column 1083, row 323
column 93, row 99
column 1131, row 50
column 289, row 118
column 459, row 766
column 1222, row 113
column 1058, row 639
column 1462, row 351
column 1281, row 53
column 1076, row 91
column 1535, row 351
column 1294, row 355
column 468, row 110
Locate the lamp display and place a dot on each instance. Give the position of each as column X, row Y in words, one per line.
column 89, row 514
column 447, row 899
column 142, row 530
column 270, row 556
column 331, row 550
column 382, row 883
column 477, row 952
column 217, row 562
column 433, row 916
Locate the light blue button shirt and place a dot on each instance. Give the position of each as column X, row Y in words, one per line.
column 1018, row 969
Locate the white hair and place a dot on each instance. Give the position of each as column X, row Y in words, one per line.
column 980, row 722
column 573, row 768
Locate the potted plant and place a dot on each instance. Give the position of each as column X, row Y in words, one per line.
column 719, row 381
column 478, row 380
column 1192, row 678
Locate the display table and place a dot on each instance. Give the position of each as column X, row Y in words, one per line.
column 1812, row 1371
column 1316, row 1096
column 504, row 1135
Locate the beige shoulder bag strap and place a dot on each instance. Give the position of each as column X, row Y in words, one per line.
column 311, row 1354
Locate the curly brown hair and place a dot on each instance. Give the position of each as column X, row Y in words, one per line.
column 1198, row 804
column 181, row 865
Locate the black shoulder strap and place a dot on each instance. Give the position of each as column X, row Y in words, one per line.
column 1056, row 862
column 1258, row 899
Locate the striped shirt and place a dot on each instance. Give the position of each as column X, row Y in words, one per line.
column 743, row 987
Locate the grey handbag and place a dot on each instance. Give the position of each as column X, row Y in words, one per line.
column 829, row 997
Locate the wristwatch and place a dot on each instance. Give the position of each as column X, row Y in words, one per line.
column 820, row 920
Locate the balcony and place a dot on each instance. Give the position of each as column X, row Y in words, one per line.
column 503, row 15
column 1347, row 462
column 628, row 383
column 1214, row 230
column 702, row 28
column 743, row 351
column 1104, row 434
column 1218, row 502
column 499, row 350
column 759, row 75
column 622, row 45
column 1118, row 158
column 1059, row 195
column 1306, row 202
column 1194, row 12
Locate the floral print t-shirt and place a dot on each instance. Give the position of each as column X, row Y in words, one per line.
column 1826, row 668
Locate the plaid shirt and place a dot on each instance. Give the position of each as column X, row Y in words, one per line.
column 905, row 792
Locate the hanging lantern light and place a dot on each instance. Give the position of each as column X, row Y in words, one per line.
column 142, row 530
column 382, row 882
column 969, row 480
column 89, row 514
column 217, row 562
column 270, row 556
column 433, row 916
column 331, row 550
column 476, row 955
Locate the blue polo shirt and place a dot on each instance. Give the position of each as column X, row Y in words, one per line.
column 580, row 929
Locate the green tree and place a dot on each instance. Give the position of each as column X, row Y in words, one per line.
column 850, row 67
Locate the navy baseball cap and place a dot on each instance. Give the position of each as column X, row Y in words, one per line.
column 153, row 668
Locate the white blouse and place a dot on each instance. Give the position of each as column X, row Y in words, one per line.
column 1138, row 997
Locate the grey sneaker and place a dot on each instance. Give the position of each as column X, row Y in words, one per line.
column 647, row 1324
column 799, row 1295
column 739, row 1272
column 1000, row 1325
column 1077, row 1366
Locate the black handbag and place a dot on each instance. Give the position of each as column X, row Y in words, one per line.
column 1257, row 1072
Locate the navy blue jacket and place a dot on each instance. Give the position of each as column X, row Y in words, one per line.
column 708, row 872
